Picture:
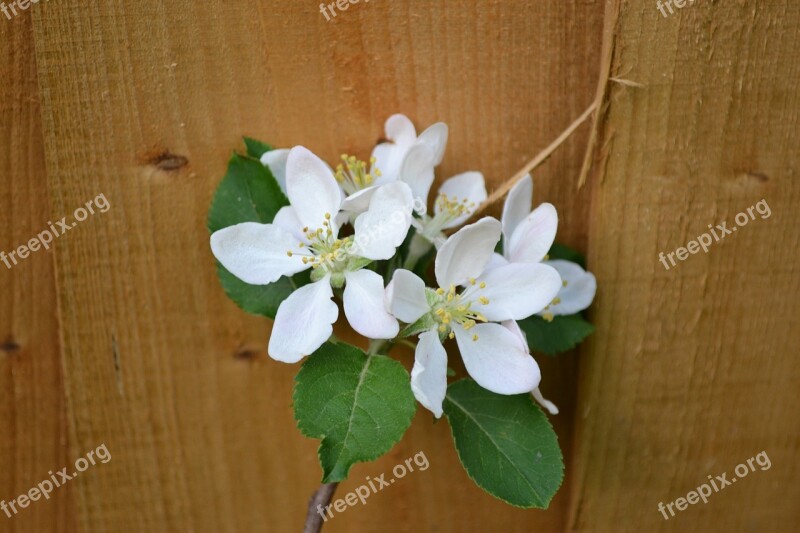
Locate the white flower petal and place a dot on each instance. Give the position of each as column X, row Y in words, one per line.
column 304, row 322
column 401, row 130
column 513, row 327
column 311, row 187
column 495, row 360
column 364, row 305
column 496, row 261
column 358, row 202
column 468, row 188
column 275, row 160
column 516, row 207
column 515, row 291
column 389, row 155
column 380, row 230
column 429, row 375
column 467, row 252
column 435, row 138
column 388, row 159
column 544, row 402
column 579, row 292
column 405, row 296
column 417, row 171
column 286, row 218
column 534, row 236
column 256, row 253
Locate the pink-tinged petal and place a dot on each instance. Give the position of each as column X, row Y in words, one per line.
column 429, row 375
column 495, row 360
column 516, row 207
column 384, row 226
column 257, row 253
column 534, row 236
column 304, row 322
column 364, row 306
column 405, row 296
column 514, row 291
column 469, row 189
column 275, row 160
column 466, row 253
column 417, row 171
column 435, row 138
column 579, row 291
column 311, row 187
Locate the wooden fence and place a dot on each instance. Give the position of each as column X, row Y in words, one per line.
column 121, row 334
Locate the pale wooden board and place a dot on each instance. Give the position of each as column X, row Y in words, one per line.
column 694, row 370
column 202, row 439
column 33, row 423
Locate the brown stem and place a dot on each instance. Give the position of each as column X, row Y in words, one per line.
column 540, row 158
column 321, row 497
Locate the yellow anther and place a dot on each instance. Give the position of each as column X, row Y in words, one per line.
column 289, row 253
column 301, row 245
column 484, row 300
column 556, row 301
column 472, row 281
column 452, row 335
column 475, row 337
column 305, row 260
column 548, row 317
column 372, row 160
column 564, row 283
column 482, row 285
column 442, row 328
column 439, row 311
column 440, row 291
column 327, row 216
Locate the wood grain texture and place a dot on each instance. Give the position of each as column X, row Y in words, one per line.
column 33, row 404
column 694, row 370
column 158, row 364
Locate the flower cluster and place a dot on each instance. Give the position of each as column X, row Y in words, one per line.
column 364, row 232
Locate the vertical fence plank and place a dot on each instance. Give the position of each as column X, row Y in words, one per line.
column 33, row 421
column 694, row 369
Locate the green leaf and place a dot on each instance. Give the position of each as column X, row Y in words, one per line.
column 256, row 148
column 247, row 193
column 359, row 405
column 562, row 334
column 506, row 444
column 559, row 251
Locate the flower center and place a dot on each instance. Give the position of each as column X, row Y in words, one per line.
column 448, row 209
column 352, row 173
column 323, row 250
column 450, row 307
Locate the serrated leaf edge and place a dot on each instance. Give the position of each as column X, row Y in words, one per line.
column 469, row 474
